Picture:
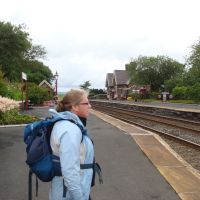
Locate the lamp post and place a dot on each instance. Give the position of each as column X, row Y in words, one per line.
column 56, row 83
column 24, row 90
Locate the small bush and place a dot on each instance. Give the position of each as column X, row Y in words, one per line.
column 14, row 91
column 193, row 92
column 134, row 95
column 129, row 99
column 179, row 92
column 13, row 117
column 7, row 104
column 37, row 95
column 154, row 95
column 3, row 89
column 10, row 90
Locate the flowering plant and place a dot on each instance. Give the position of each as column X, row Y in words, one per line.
column 7, row 104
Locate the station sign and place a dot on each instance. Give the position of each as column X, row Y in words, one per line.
column 24, row 76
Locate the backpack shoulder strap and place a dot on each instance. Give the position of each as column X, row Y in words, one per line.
column 83, row 131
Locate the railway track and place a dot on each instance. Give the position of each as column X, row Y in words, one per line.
column 186, row 132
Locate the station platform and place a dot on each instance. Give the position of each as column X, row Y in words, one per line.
column 159, row 104
column 138, row 164
column 172, row 106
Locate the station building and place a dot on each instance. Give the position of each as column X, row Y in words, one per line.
column 119, row 86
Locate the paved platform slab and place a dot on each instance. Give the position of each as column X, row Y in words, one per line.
column 128, row 173
column 179, row 174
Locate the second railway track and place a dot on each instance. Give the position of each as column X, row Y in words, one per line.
column 181, row 132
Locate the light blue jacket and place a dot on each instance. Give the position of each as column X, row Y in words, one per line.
column 66, row 143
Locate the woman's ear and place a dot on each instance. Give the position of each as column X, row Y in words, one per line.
column 74, row 108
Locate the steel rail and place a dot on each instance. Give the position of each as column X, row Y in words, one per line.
column 193, row 125
column 178, row 139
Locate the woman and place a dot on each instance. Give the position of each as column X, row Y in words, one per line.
column 73, row 148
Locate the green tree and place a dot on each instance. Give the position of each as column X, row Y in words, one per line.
column 194, row 57
column 153, row 71
column 173, row 82
column 1, row 74
column 132, row 71
column 35, row 52
column 94, row 92
column 85, row 85
column 16, row 48
column 37, row 71
column 193, row 92
column 3, row 89
column 13, row 44
column 193, row 64
column 97, row 91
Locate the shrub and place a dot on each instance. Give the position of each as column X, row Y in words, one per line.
column 7, row 104
column 10, row 90
column 99, row 96
column 9, row 113
column 14, row 91
column 154, row 95
column 13, row 117
column 193, row 92
column 3, row 88
column 129, row 98
column 134, row 95
column 37, row 95
column 179, row 92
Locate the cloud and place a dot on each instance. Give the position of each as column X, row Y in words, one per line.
column 85, row 40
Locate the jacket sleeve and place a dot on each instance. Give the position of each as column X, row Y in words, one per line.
column 70, row 161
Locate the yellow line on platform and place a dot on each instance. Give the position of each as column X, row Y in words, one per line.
column 181, row 176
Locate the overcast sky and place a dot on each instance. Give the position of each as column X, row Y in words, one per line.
column 86, row 39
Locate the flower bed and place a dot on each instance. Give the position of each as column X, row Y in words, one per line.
column 7, row 104
column 9, row 113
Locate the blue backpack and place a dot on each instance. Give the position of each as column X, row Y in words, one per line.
column 40, row 159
